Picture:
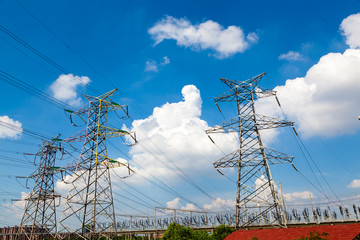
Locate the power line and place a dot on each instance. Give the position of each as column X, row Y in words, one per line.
column 182, row 174
column 162, row 185
column 134, row 201
column 311, row 158
column 44, row 57
column 22, row 42
column 137, row 191
column 64, row 43
column 10, row 79
column 25, row 131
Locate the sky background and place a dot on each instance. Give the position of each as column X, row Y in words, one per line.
column 166, row 59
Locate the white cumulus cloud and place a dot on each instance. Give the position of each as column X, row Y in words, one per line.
column 10, row 128
column 291, row 56
column 324, row 102
column 219, row 204
column 296, row 196
column 174, row 137
column 175, row 204
column 65, row 88
column 354, row 184
column 153, row 66
column 225, row 42
column 350, row 28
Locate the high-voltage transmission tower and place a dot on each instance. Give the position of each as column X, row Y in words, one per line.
column 89, row 210
column 255, row 186
column 40, row 208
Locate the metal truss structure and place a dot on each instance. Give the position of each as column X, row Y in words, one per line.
column 256, row 195
column 90, row 200
column 40, row 208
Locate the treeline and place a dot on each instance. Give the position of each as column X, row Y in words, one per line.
column 179, row 232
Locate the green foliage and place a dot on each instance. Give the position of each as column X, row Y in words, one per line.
column 315, row 236
column 220, row 232
column 178, row 232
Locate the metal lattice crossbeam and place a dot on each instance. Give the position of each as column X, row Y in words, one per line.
column 247, row 124
column 90, row 200
column 255, row 185
column 40, row 205
column 252, row 156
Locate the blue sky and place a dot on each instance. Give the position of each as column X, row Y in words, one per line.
column 151, row 50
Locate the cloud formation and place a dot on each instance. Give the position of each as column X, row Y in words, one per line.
column 225, row 42
column 354, row 184
column 351, row 30
column 219, row 204
column 14, row 132
column 296, row 196
column 153, row 66
column 291, row 56
column 324, row 102
column 65, row 88
column 175, row 204
column 174, row 137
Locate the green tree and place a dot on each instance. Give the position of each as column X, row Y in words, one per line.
column 221, row 232
column 178, row 232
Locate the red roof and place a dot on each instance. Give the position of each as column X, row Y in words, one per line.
column 336, row 232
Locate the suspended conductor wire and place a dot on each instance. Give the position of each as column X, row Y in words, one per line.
column 327, row 183
column 216, row 145
column 311, row 158
column 66, row 72
column 182, row 174
column 117, row 200
column 15, row 160
column 163, row 185
column 139, row 192
column 25, row 131
column 8, row 78
column 44, row 57
column 64, row 43
column 20, row 142
column 26, row 55
column 179, row 172
column 134, row 201
column 3, row 29
column 308, row 163
column 29, row 47
column 297, row 138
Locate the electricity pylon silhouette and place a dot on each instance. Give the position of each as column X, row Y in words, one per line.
column 40, row 208
column 89, row 210
column 255, row 185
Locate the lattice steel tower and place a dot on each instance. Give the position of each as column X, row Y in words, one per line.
column 255, row 187
column 89, row 210
column 40, row 208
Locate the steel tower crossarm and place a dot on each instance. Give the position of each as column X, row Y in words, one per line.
column 89, row 202
column 255, row 186
column 40, row 205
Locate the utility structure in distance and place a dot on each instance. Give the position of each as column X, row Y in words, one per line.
column 89, row 203
column 40, row 208
column 255, row 186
